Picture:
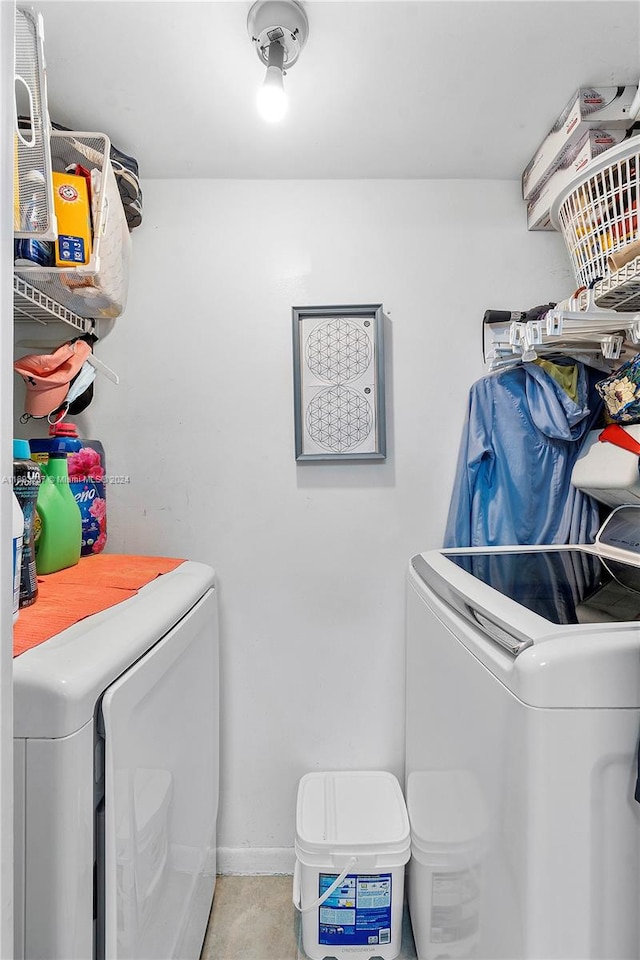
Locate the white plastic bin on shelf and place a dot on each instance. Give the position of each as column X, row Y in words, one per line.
column 98, row 288
column 352, row 844
column 597, row 213
column 33, row 214
column 448, row 844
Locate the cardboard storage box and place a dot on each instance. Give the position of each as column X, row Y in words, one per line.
column 591, row 108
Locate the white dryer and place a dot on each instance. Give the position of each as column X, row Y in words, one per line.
column 116, row 778
column 523, row 721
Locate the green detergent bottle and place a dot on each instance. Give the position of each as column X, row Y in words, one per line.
column 58, row 527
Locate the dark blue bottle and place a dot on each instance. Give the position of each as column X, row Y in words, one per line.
column 26, row 483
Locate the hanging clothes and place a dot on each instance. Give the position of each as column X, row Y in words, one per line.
column 564, row 374
column 522, row 437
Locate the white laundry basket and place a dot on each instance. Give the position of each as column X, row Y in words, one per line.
column 100, row 287
column 597, row 214
column 448, row 845
column 352, row 844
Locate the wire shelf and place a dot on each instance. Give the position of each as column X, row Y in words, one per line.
column 32, row 305
column 620, row 290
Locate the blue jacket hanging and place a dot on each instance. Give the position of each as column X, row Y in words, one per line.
column 522, row 437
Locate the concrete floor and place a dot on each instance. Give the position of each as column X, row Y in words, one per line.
column 253, row 918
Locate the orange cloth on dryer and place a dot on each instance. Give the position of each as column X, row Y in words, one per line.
column 92, row 585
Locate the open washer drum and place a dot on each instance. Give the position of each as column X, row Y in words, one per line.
column 523, row 721
column 116, row 778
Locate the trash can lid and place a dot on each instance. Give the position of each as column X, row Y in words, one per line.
column 446, row 809
column 363, row 810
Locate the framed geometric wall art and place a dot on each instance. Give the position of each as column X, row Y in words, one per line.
column 338, row 381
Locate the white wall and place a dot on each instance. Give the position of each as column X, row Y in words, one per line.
column 310, row 559
column 7, row 20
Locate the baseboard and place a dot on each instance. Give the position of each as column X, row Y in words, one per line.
column 248, row 861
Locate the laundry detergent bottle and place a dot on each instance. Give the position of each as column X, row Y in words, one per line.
column 58, row 529
column 26, row 483
column 86, row 467
column 17, row 535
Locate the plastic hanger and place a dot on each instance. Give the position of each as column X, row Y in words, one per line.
column 563, row 329
column 103, row 368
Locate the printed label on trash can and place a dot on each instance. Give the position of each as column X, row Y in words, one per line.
column 455, row 905
column 358, row 912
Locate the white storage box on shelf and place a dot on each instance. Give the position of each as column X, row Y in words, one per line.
column 597, row 213
column 607, row 472
column 99, row 288
column 352, row 844
column 33, row 213
column 589, row 108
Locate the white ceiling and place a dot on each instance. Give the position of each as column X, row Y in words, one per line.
column 400, row 88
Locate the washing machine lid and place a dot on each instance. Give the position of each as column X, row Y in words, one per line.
column 57, row 684
column 563, row 586
column 560, row 626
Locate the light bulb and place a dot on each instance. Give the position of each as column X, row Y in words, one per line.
column 272, row 99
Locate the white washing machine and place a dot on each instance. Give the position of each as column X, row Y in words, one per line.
column 116, row 778
column 523, row 722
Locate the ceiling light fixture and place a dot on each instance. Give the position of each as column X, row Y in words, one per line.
column 278, row 30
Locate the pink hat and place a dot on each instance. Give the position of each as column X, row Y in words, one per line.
column 47, row 376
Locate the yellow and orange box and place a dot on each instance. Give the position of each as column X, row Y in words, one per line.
column 71, row 202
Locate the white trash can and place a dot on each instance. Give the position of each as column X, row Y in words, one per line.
column 352, row 844
column 445, row 874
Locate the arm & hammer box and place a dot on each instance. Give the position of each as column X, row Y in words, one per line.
column 71, row 202
column 574, row 161
column 591, row 108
